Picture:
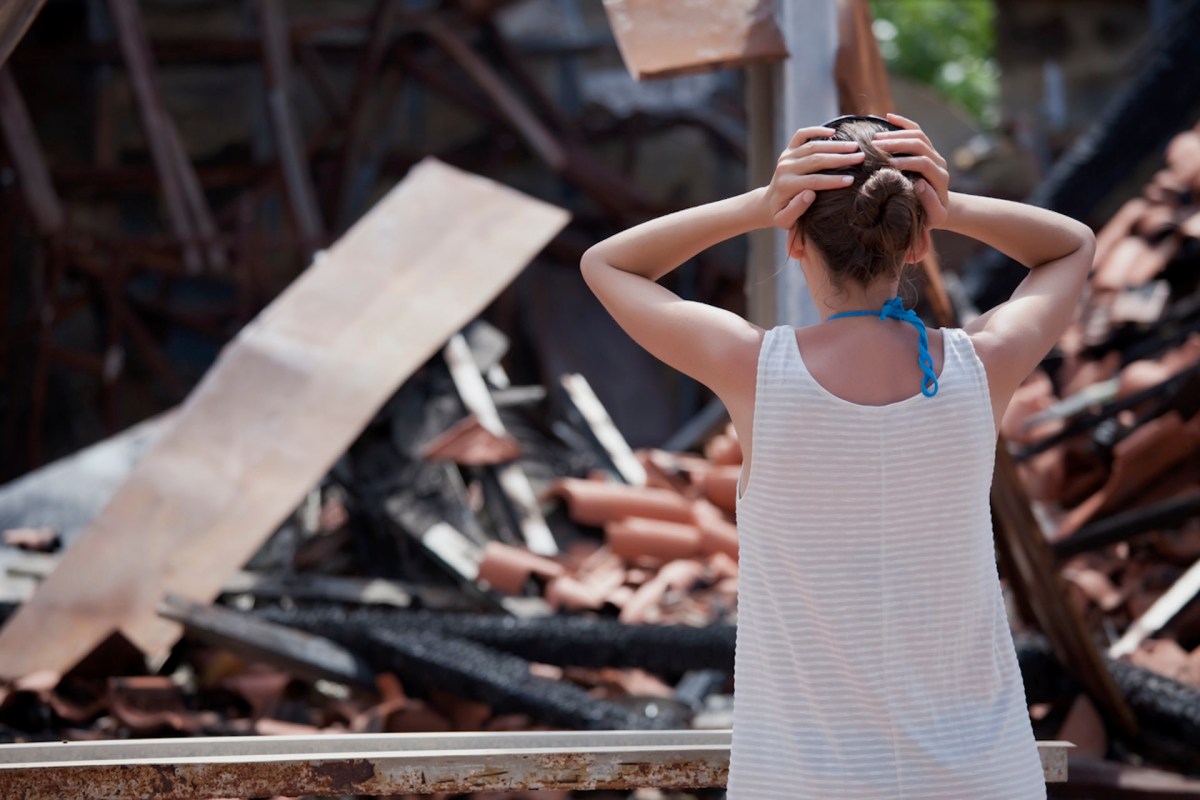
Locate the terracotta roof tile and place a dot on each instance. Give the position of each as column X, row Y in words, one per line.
column 720, row 487
column 1144, row 373
column 717, row 533
column 1183, row 157
column 723, row 450
column 595, row 503
column 679, row 574
column 1132, row 262
column 659, row 539
column 1119, row 227
column 40, row 539
column 507, row 568
column 467, row 442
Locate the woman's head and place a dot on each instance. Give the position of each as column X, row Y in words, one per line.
column 873, row 227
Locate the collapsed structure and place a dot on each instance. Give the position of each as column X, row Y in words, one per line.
column 398, row 538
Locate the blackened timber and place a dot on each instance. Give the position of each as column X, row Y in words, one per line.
column 1168, row 708
column 1169, row 393
column 429, row 658
column 565, row 640
column 306, row 654
column 1139, row 119
column 1167, row 514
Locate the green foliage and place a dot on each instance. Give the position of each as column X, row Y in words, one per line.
column 945, row 44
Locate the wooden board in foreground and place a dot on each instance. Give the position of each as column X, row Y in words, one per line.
column 285, row 399
column 664, row 38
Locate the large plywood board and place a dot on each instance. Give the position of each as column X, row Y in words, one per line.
column 282, row 403
column 663, row 38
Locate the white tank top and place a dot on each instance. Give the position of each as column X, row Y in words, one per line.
column 873, row 658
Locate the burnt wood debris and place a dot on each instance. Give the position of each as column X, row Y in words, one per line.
column 361, row 519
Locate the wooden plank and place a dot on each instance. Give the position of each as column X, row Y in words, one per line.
column 517, row 489
column 15, row 18
column 662, row 38
column 282, row 403
column 27, row 159
column 1160, row 613
column 385, row 764
column 594, row 415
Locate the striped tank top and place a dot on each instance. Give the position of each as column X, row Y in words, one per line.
column 873, row 655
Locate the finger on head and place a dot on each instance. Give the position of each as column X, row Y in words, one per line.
column 814, row 132
column 818, row 181
column 831, row 144
column 896, row 143
column 903, row 122
column 819, row 146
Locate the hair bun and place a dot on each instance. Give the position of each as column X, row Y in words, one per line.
column 872, row 200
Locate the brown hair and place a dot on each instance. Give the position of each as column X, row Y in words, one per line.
column 865, row 230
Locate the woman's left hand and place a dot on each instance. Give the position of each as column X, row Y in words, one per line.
column 912, row 150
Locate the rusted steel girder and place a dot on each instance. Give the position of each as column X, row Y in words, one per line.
column 382, row 764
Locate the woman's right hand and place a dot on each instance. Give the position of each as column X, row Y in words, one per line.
column 919, row 156
column 798, row 175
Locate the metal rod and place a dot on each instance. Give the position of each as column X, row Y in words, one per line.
column 381, row 764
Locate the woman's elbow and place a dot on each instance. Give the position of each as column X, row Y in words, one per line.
column 590, row 264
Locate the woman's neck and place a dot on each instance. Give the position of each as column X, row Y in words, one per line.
column 853, row 298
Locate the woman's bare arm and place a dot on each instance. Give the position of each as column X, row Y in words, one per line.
column 703, row 341
column 1014, row 337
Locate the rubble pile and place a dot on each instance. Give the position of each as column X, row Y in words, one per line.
column 1107, row 436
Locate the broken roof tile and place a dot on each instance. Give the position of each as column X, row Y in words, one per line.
column 720, row 487
column 659, row 539
column 596, row 502
column 506, row 568
column 469, row 443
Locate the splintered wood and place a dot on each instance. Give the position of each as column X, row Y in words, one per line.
column 664, row 38
column 283, row 402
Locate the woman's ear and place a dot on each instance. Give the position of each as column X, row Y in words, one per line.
column 795, row 243
column 920, row 248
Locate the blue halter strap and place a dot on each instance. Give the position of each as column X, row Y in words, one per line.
column 895, row 308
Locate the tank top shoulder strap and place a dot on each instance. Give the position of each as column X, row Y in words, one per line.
column 959, row 347
column 774, row 360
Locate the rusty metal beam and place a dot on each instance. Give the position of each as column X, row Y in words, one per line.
column 383, row 764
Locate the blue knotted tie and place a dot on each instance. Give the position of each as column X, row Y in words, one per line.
column 895, row 308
